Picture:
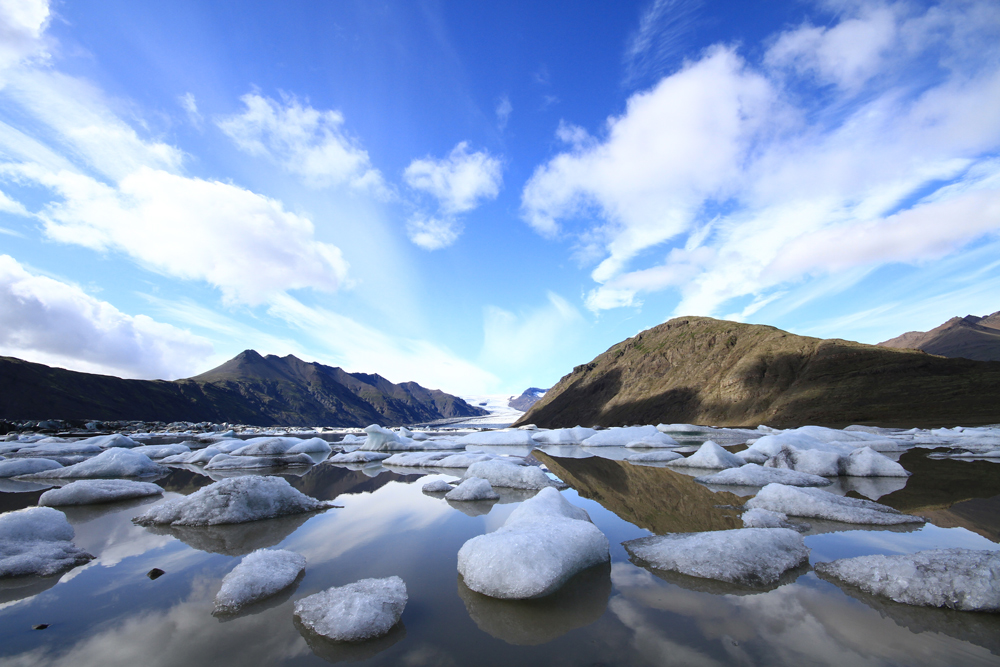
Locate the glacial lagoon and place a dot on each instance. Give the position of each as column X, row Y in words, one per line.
column 110, row 612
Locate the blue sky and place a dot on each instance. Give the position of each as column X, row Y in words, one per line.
column 479, row 196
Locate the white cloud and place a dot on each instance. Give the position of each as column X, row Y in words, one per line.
column 433, row 233
column 523, row 342
column 190, row 105
column 22, row 25
column 52, row 322
column 659, row 40
column 307, row 142
column 245, row 244
column 503, row 110
column 460, row 182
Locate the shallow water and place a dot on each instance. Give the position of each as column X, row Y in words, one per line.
column 110, row 612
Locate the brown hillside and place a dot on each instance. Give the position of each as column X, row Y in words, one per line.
column 968, row 337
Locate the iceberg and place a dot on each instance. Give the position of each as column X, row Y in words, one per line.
column 359, row 456
column 653, row 457
column 745, row 556
column 259, row 575
column 865, row 462
column 37, row 541
column 758, row 518
column 563, row 436
column 621, row 436
column 232, row 462
column 437, row 486
column 820, row 504
column 752, row 474
column 94, row 491
column 473, row 488
column 363, row 610
column 379, row 439
column 501, row 472
column 161, row 451
column 200, row 456
column 233, row 500
column 543, row 543
column 503, row 438
column 710, row 455
column 109, row 463
column 961, row 579
column 310, row 446
column 821, row 462
column 438, row 459
column 15, row 467
column 110, row 441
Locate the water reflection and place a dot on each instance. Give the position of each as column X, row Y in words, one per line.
column 333, row 651
column 473, row 507
column 235, row 539
column 579, row 603
column 715, row 587
column 20, row 588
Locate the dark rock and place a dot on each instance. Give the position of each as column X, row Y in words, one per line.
column 155, row 573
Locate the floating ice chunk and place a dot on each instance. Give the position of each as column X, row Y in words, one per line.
column 751, row 455
column 379, row 439
column 227, row 462
column 986, row 454
column 37, row 541
column 962, row 579
column 438, row 459
column 507, row 438
column 505, row 473
column 408, row 445
column 758, row 518
column 752, row 474
column 543, row 543
column 820, row 462
column 473, row 488
column 14, row 467
column 747, row 556
column 109, row 463
column 437, row 486
column 352, row 439
column 234, row 500
column 162, row 451
column 653, row 457
column 823, row 505
column 865, row 462
column 94, row 491
column 110, row 441
column 359, row 456
column 52, row 449
column 679, row 428
column 259, row 575
column 620, row 436
column 310, row 446
column 363, row 610
column 710, row 455
column 405, row 432
column 563, row 436
column 418, row 436
column 199, row 456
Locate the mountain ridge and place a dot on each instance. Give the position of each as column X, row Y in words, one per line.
column 968, row 337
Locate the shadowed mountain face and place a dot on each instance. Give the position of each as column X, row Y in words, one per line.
column 527, row 398
column 248, row 389
column 968, row 337
column 705, row 371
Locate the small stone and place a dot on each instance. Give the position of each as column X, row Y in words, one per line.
column 155, row 573
column 40, row 626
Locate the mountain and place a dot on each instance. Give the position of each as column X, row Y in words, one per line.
column 248, row 389
column 969, row 337
column 706, row 371
column 527, row 398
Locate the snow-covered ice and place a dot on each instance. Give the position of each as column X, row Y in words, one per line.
column 752, row 474
column 259, row 575
column 710, row 455
column 37, row 541
column 94, row 491
column 234, row 500
column 363, row 610
column 820, row 504
column 109, row 463
column 437, row 486
column 543, row 543
column 746, row 556
column 473, row 488
column 501, row 472
column 621, row 436
column 962, row 579
column 231, row 462
column 14, row 467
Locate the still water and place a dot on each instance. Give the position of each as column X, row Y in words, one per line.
column 109, row 612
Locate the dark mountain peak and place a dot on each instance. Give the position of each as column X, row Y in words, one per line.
column 969, row 337
column 527, row 398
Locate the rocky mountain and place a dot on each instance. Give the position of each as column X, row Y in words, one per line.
column 527, row 398
column 705, row 371
column 968, row 337
column 248, row 389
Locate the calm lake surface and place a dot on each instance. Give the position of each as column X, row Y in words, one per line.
column 109, row 612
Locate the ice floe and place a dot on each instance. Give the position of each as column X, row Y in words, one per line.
column 438, row 459
column 543, row 543
column 109, row 463
column 379, row 439
column 752, row 474
column 820, row 504
column 199, row 456
column 94, row 491
column 653, row 457
column 563, row 436
column 359, row 456
column 259, row 575
column 962, row 579
column 506, row 473
column 162, row 451
column 473, row 488
column 14, row 467
column 621, row 436
column 711, row 456
column 363, row 610
column 37, row 541
column 758, row 518
column 437, row 486
column 234, row 500
column 506, row 438
column 745, row 556
column 231, row 462
column 865, row 462
column 310, row 446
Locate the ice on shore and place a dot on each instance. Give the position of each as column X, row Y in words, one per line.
column 109, row 463
column 359, row 456
column 710, row 455
column 37, row 541
column 621, row 436
column 504, row 473
column 961, row 579
column 15, row 467
column 94, row 491
column 437, row 486
column 473, row 488
column 259, row 575
column 543, row 543
column 758, row 518
column 820, row 504
column 438, row 459
column 563, row 436
column 230, row 462
column 653, row 457
column 363, row 610
column 752, row 474
column 233, row 500
column 745, row 556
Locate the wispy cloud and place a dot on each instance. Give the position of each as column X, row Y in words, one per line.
column 659, row 42
column 503, row 111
